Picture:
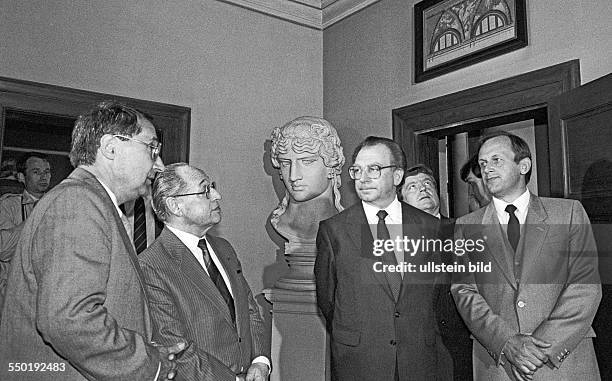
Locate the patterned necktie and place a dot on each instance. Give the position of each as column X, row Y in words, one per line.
column 140, row 225
column 394, row 278
column 217, row 279
column 514, row 228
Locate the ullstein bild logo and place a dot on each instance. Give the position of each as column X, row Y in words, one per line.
column 423, row 245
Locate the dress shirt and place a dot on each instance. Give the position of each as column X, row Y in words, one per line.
column 521, row 203
column 191, row 241
column 393, row 222
column 123, row 219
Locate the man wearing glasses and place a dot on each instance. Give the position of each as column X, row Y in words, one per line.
column 76, row 306
column 196, row 287
column 381, row 323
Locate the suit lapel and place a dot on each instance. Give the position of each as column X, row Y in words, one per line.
column 193, row 271
column 361, row 235
column 232, row 274
column 534, row 231
column 495, row 241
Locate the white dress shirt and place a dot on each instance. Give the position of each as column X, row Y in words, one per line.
column 393, row 222
column 521, row 203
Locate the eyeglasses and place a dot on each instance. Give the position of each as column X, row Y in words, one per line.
column 205, row 192
column 154, row 146
column 373, row 171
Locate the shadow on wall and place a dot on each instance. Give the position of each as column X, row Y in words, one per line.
column 596, row 197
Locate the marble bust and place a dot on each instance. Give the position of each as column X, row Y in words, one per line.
column 309, row 157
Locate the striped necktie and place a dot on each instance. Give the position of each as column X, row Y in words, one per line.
column 140, row 225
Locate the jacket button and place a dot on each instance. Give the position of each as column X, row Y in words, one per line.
column 393, row 342
column 443, row 322
column 521, row 304
column 396, row 314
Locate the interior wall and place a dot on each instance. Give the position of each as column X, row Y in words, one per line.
column 241, row 73
column 368, row 61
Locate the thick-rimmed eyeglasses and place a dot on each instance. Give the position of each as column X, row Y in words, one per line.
column 205, row 192
column 155, row 147
column 372, row 171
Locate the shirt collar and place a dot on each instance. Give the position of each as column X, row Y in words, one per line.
column 111, row 195
column 28, row 198
column 521, row 203
column 394, row 211
column 190, row 240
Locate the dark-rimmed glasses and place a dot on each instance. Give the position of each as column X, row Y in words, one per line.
column 373, row 171
column 205, row 192
column 154, row 146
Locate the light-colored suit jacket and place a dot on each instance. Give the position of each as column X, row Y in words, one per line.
column 554, row 297
column 75, row 293
column 186, row 305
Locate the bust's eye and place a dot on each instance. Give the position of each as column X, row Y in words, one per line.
column 308, row 161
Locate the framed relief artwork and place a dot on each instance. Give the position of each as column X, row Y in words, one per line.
column 452, row 34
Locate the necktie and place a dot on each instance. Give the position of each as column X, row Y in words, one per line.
column 394, row 278
column 514, row 228
column 140, row 225
column 217, row 279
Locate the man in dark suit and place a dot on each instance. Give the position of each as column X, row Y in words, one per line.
column 382, row 323
column 76, row 306
column 420, row 189
column 196, row 286
column 531, row 313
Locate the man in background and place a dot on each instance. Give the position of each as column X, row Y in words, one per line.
column 75, row 298
column 35, row 171
column 196, row 286
column 478, row 195
column 420, row 189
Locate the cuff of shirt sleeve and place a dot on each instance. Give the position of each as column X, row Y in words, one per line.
column 263, row 360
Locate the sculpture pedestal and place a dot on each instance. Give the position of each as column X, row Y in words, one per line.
column 299, row 339
column 301, row 258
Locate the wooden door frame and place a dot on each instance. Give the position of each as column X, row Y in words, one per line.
column 63, row 101
column 517, row 95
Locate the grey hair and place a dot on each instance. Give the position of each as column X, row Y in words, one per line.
column 170, row 182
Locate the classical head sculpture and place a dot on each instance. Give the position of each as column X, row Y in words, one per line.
column 309, row 157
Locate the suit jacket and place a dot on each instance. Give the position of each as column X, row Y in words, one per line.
column 454, row 333
column 185, row 304
column 553, row 297
column 75, row 294
column 371, row 332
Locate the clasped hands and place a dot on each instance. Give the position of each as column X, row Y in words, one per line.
column 258, row 371
column 526, row 355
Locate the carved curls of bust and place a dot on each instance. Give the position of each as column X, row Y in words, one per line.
column 310, row 135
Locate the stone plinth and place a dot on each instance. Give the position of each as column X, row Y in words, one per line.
column 299, row 339
column 301, row 258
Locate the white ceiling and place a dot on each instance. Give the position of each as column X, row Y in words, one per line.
column 318, row 14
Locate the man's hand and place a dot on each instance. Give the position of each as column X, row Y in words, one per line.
column 525, row 354
column 258, row 371
column 168, row 360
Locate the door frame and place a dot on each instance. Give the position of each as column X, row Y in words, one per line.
column 505, row 99
column 172, row 121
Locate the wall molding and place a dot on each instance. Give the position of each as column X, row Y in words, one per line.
column 317, row 14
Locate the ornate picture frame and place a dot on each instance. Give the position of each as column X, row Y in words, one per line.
column 452, row 34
